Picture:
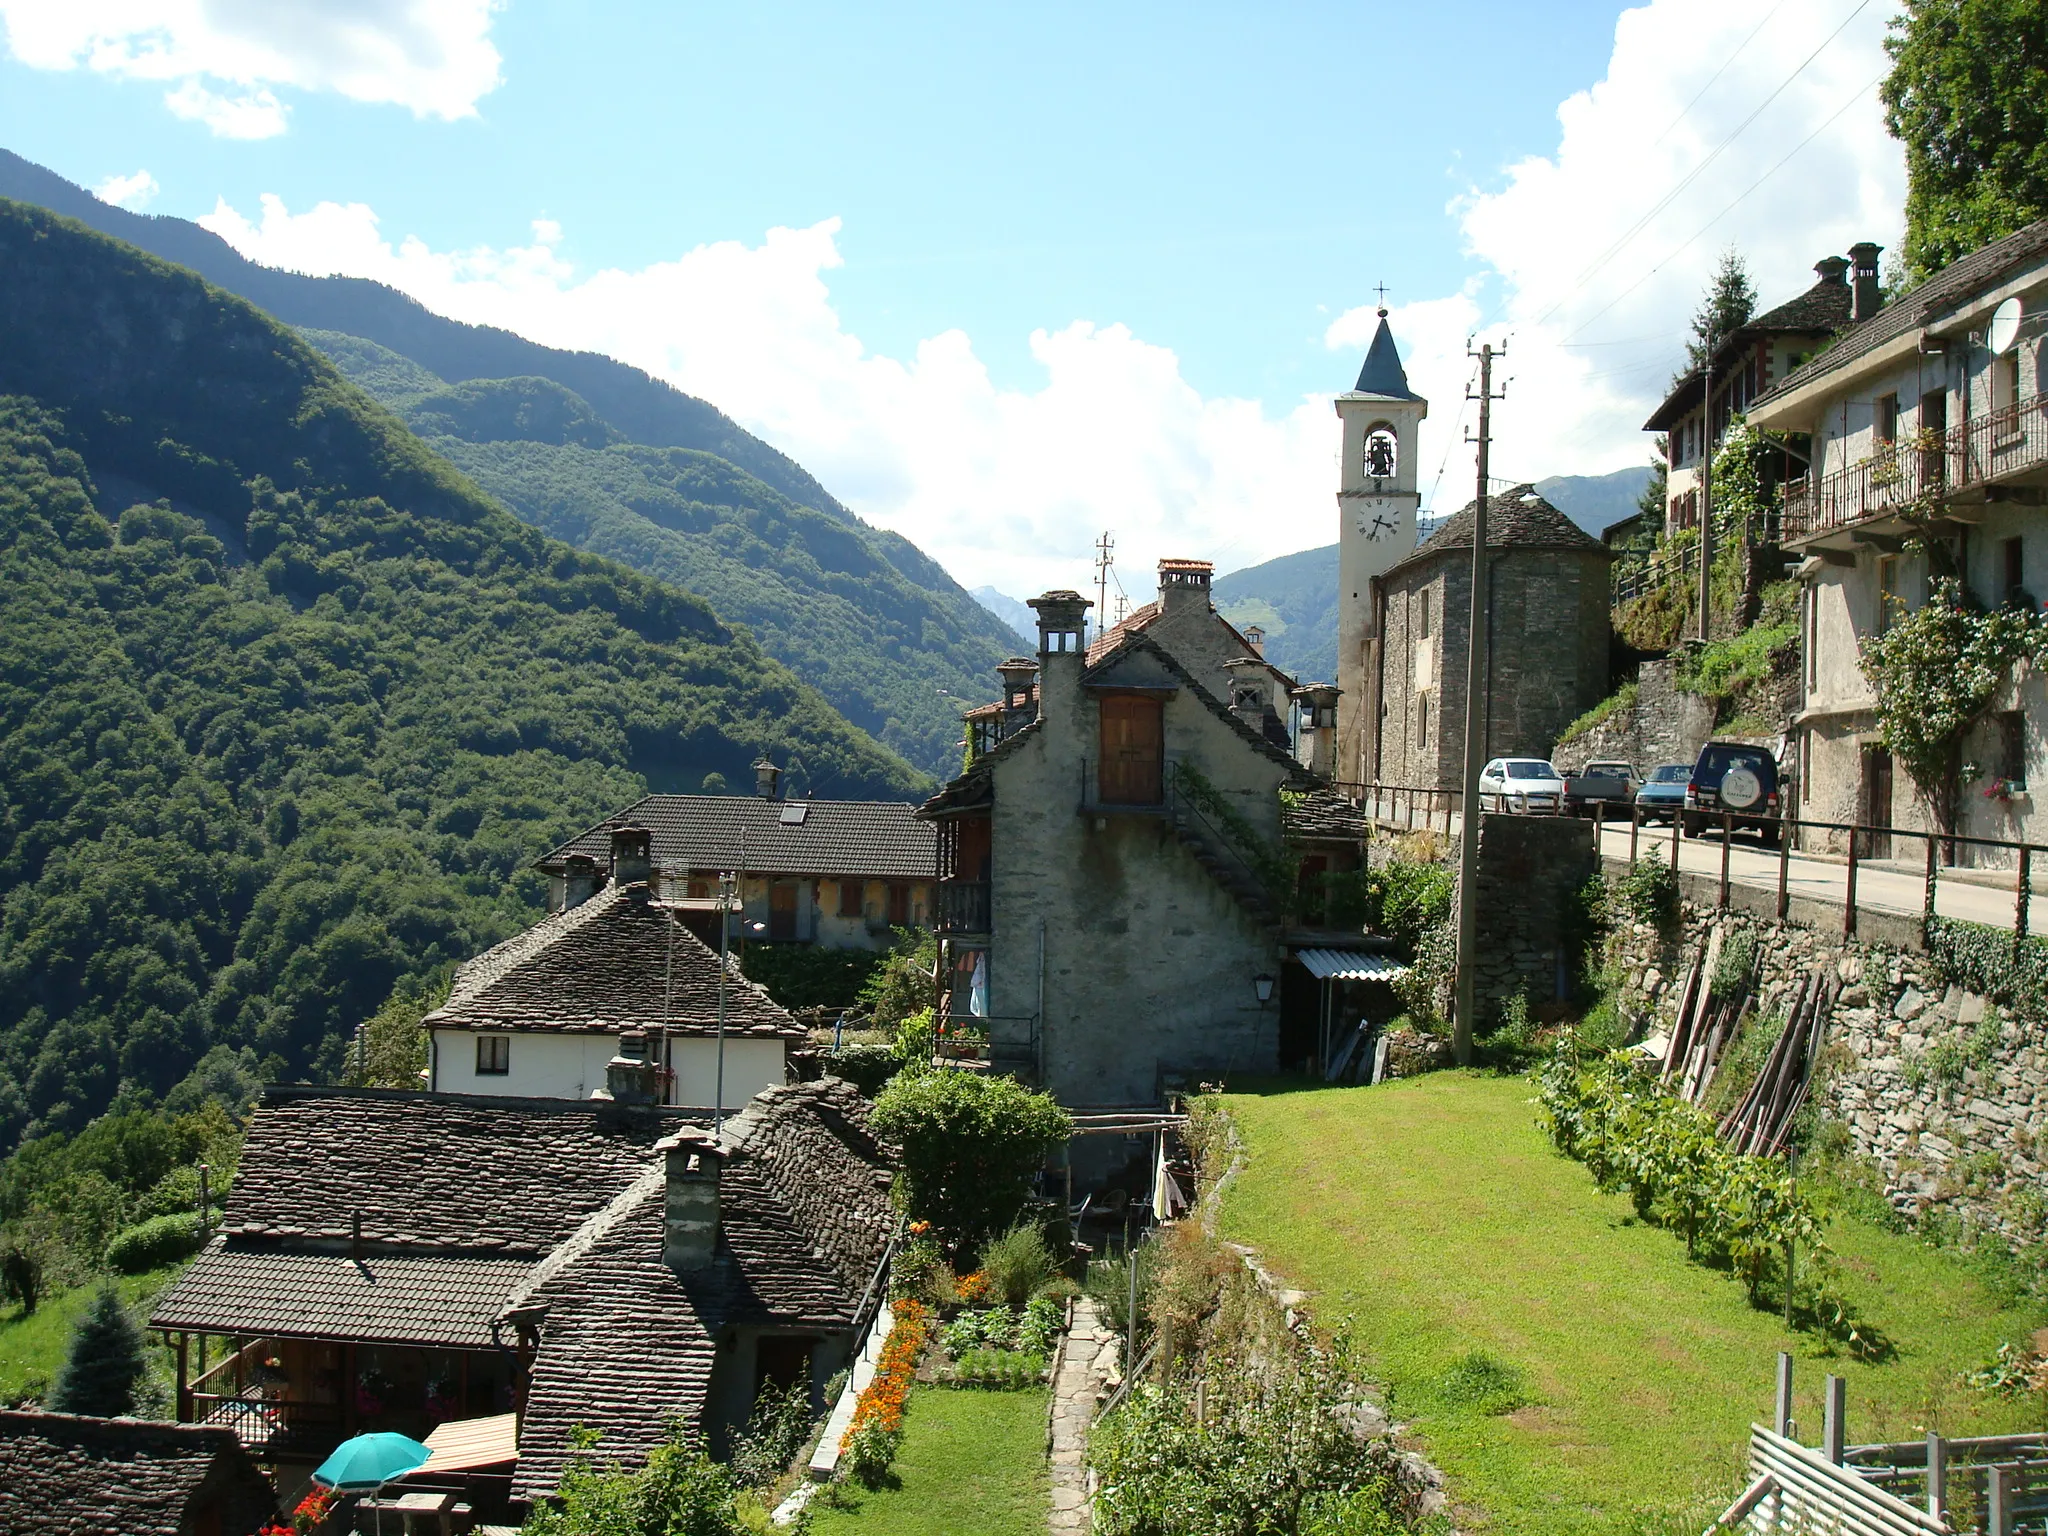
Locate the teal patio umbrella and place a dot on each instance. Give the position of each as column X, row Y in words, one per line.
column 368, row 1462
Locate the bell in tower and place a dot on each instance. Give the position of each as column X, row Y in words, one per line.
column 1376, row 508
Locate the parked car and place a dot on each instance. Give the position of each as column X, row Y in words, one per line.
column 1522, row 784
column 1607, row 783
column 1661, row 796
column 1736, row 777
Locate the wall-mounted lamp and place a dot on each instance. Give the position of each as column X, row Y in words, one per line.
column 1262, row 984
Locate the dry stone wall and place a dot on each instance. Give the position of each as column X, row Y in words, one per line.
column 1942, row 1093
column 1665, row 725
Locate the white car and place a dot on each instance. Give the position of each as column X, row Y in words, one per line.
column 1522, row 784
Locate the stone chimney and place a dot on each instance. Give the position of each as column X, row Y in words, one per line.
column 767, row 778
column 631, row 1077
column 632, row 855
column 1868, row 298
column 1062, row 619
column 1833, row 270
column 1255, row 637
column 1018, row 674
column 579, row 880
column 690, row 1232
column 1182, row 582
column 1318, row 746
column 1250, row 691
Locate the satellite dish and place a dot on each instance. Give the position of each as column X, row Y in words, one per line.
column 2005, row 328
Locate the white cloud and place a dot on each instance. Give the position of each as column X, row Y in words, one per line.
column 127, row 191
column 1004, row 486
column 1009, row 486
column 222, row 58
column 1592, row 342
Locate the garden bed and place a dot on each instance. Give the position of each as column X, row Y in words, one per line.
column 971, row 1464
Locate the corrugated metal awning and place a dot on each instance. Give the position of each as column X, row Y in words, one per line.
column 1350, row 965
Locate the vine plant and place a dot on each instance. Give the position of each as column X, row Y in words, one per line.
column 1270, row 863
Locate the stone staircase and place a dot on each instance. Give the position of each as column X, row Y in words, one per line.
column 1225, row 868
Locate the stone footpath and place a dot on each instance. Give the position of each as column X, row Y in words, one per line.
column 1080, row 1373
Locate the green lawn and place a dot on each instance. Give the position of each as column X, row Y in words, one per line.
column 32, row 1348
column 1434, row 1213
column 972, row 1464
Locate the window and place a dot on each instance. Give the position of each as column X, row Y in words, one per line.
column 1812, row 618
column 850, row 898
column 1887, row 591
column 1131, row 770
column 1886, row 421
column 899, row 904
column 493, row 1055
column 2005, row 381
column 2014, row 553
column 1422, row 719
column 2012, row 748
column 1422, row 623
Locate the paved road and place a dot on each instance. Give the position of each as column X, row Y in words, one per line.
column 1894, row 887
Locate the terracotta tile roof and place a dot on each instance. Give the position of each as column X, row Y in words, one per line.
column 874, row 839
column 1516, row 518
column 615, row 960
column 1955, row 285
column 446, row 1172
column 63, row 1474
column 240, row 1285
column 1131, row 623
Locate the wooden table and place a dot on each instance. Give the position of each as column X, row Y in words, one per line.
column 426, row 1502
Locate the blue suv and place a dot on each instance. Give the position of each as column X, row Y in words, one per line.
column 1738, row 778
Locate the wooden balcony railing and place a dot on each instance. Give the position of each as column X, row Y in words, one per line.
column 963, row 906
column 1983, row 451
column 259, row 1420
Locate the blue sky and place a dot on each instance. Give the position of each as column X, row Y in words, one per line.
column 1136, row 244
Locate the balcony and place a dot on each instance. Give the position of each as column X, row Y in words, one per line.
column 963, row 906
column 1914, row 478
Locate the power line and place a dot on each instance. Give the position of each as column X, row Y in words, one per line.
column 1717, row 74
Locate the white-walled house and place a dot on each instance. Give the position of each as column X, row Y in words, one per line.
column 544, row 1014
column 1912, row 411
column 837, row 873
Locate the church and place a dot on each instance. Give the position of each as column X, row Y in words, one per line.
column 1404, row 612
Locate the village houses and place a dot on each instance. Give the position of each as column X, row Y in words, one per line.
column 1925, row 418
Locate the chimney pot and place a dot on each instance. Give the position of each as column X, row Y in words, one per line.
column 1255, row 637
column 767, row 778
column 694, row 1159
column 579, row 880
column 1867, row 296
column 1832, row 269
column 1184, row 581
column 1319, row 726
column 632, row 855
column 631, row 1077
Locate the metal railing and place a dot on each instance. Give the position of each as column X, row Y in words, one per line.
column 1905, row 475
column 1417, row 809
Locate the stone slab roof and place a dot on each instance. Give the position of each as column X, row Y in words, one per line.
column 64, row 1474
column 872, row 839
column 443, row 1172
column 1323, row 815
column 244, row 1286
column 1820, row 311
column 616, row 960
column 1955, row 285
column 1517, row 518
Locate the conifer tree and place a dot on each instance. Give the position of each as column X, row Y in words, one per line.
column 1730, row 301
column 104, row 1372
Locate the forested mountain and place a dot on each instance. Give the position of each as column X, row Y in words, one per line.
column 882, row 633
column 894, row 643
column 286, row 702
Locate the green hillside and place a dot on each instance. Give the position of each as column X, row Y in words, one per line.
column 286, row 702
column 885, row 636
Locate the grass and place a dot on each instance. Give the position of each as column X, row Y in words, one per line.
column 32, row 1347
column 1485, row 1272
column 972, row 1464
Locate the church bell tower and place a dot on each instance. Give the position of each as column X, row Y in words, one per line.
column 1376, row 506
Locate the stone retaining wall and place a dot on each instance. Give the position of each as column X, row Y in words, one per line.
column 1945, row 1096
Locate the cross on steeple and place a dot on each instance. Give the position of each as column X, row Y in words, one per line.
column 1381, row 290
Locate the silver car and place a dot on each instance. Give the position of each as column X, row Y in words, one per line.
column 1521, row 784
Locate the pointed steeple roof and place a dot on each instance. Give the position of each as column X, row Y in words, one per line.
column 1383, row 374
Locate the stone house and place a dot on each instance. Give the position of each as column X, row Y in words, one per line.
column 837, row 873
column 1747, row 363
column 1923, row 416
column 1108, row 898
column 1548, row 660
column 65, row 1474
column 544, row 1014
column 405, row 1261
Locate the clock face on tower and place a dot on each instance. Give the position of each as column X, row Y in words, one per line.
column 1378, row 526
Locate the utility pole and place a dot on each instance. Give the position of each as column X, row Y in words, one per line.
column 1707, row 494
column 1104, row 559
column 1475, row 728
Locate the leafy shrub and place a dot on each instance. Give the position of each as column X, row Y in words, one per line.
column 777, row 1428
column 1736, row 965
column 1109, row 1283
column 1425, row 991
column 971, row 1146
column 151, row 1244
column 1478, row 1383
column 901, row 983
column 1617, row 702
column 1018, row 1262
column 1039, row 1328
column 1514, row 1037
column 1407, row 897
column 1648, row 893
column 917, row 1035
column 1004, row 1370
column 680, row 1492
column 1990, row 962
column 867, row 1067
column 986, row 1328
column 810, row 975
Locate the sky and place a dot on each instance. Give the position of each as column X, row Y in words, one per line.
column 1007, row 280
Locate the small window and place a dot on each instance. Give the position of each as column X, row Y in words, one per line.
column 1423, row 623
column 1887, row 422
column 1887, row 591
column 899, row 904
column 2012, row 748
column 1422, row 719
column 2014, row 552
column 493, row 1055
column 2005, row 381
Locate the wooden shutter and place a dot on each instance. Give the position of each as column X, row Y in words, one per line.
column 1133, row 751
